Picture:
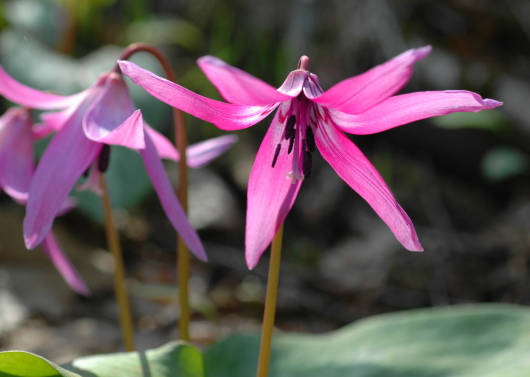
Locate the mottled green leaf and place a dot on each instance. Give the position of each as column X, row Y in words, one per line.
column 469, row 341
column 171, row 360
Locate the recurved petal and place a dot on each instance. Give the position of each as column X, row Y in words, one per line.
column 32, row 98
column 237, row 86
column 53, row 250
column 405, row 108
column 168, row 199
column 225, row 116
column 68, row 155
column 111, row 118
column 16, row 153
column 270, row 194
column 201, row 154
column 359, row 93
column 355, row 169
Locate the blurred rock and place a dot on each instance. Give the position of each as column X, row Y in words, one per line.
column 360, row 263
column 211, row 203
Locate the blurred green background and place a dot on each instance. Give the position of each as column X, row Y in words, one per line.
column 463, row 178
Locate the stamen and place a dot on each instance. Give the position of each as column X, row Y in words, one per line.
column 276, row 154
column 307, row 164
column 291, row 144
column 104, row 158
column 289, row 127
column 310, row 138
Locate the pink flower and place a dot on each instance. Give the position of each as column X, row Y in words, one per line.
column 87, row 124
column 16, row 171
column 308, row 119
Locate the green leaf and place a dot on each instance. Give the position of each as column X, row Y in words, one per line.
column 503, row 162
column 171, row 360
column 469, row 341
column 25, row 364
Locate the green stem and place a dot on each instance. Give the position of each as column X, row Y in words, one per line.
column 113, row 240
column 270, row 305
column 183, row 255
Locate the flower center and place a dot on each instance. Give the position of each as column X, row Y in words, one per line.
column 298, row 138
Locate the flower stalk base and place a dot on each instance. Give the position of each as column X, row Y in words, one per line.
column 126, row 322
column 270, row 305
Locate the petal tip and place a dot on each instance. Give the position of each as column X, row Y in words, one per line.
column 491, row 103
column 30, row 241
column 422, row 52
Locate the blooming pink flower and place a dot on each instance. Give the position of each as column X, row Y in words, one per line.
column 16, row 171
column 87, row 123
column 309, row 118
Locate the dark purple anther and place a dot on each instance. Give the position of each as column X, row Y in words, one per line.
column 289, row 127
column 104, row 158
column 291, row 144
column 310, row 139
column 307, row 164
column 276, row 154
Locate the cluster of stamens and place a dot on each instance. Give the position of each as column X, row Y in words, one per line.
column 308, row 144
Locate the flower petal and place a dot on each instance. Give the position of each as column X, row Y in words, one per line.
column 60, row 260
column 29, row 97
column 168, row 199
column 270, row 194
column 237, row 86
column 16, row 153
column 354, row 168
column 359, row 93
column 225, row 116
column 65, row 159
column 398, row 110
column 111, row 118
column 201, row 154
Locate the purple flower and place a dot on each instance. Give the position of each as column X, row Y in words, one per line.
column 86, row 125
column 16, row 171
column 308, row 119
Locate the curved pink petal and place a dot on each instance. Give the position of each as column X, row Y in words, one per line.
column 359, row 93
column 168, row 199
column 237, row 86
column 60, row 260
column 225, row 116
column 405, row 108
column 201, row 154
column 270, row 194
column 111, row 118
column 354, row 168
column 164, row 148
column 65, row 159
column 16, row 153
column 294, row 83
column 29, row 97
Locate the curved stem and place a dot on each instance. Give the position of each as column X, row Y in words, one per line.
column 113, row 240
column 270, row 305
column 183, row 257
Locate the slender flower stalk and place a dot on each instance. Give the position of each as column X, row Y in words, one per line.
column 181, row 143
column 120, row 290
column 270, row 305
